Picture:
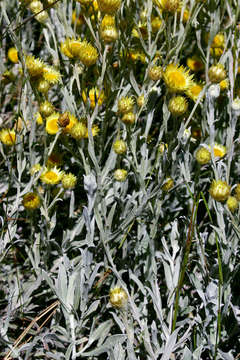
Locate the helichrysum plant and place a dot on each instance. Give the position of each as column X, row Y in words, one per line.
column 119, row 191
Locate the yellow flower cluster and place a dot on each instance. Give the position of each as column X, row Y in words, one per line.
column 81, row 50
column 42, row 75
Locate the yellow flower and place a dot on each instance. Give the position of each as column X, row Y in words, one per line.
column 125, row 104
column 217, row 73
column 95, row 130
column 203, row 155
column 13, row 55
column 232, row 203
column 88, row 55
column 94, row 97
column 79, row 130
column 177, row 78
column 65, row 49
column 38, row 118
column 178, row 105
column 69, row 181
column 73, row 46
column 72, row 121
column 168, row 5
column 219, row 190
column 42, row 85
column 31, row 201
column 156, row 23
column 8, row 137
column 120, row 147
column 118, row 297
column 52, row 176
column 194, row 91
column 120, row 175
column 195, row 63
column 219, row 150
column 168, row 184
column 108, row 29
column 51, row 75
column 52, row 123
column 218, row 41
column 216, row 52
column 34, row 66
column 46, row 108
column 128, row 118
column 224, row 84
column 109, row 6
column 155, row 72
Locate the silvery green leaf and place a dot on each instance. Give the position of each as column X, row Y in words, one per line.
column 109, row 344
column 169, row 347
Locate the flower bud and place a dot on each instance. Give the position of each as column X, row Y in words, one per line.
column 203, row 155
column 155, row 73
column 120, row 147
column 125, row 104
column 118, row 297
column 140, row 100
column 31, row 201
column 178, row 105
column 109, row 6
column 36, row 6
column 128, row 118
column 217, row 73
column 232, row 203
column 120, row 175
column 46, row 108
column 219, row 190
column 168, row 184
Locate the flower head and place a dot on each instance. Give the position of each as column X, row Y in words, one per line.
column 120, row 175
column 51, row 75
column 217, row 73
column 79, row 130
column 31, row 201
column 8, row 137
column 219, row 190
column 13, row 55
column 120, row 147
column 232, row 203
column 109, row 6
column 177, row 78
column 69, row 181
column 52, row 123
column 168, row 5
column 168, row 184
column 51, row 176
column 88, row 55
column 203, row 155
column 178, row 105
column 95, row 96
column 194, row 91
column 34, row 66
column 125, row 104
column 118, row 297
